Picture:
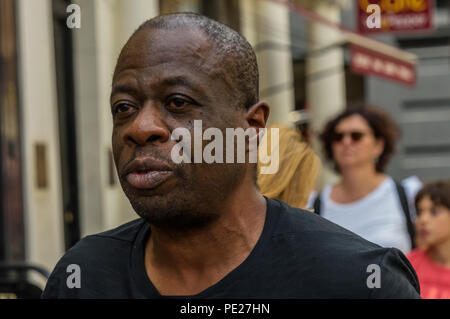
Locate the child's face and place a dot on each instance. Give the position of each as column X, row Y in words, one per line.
column 432, row 223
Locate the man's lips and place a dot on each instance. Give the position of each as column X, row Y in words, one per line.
column 148, row 179
column 147, row 172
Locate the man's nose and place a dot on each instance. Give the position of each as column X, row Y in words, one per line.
column 147, row 127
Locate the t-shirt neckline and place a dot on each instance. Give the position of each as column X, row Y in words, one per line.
column 145, row 285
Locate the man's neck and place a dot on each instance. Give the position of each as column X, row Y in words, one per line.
column 196, row 259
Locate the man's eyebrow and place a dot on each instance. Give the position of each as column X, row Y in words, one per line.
column 122, row 88
column 169, row 81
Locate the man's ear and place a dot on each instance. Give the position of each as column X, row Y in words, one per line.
column 257, row 115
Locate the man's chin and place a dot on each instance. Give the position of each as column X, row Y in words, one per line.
column 177, row 222
column 171, row 213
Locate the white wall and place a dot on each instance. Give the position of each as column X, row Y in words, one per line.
column 325, row 93
column 43, row 207
column 106, row 26
column 87, row 121
column 265, row 25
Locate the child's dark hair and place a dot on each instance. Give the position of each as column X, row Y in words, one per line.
column 438, row 191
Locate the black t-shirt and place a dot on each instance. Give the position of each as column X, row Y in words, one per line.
column 298, row 255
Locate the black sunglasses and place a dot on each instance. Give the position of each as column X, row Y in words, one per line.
column 354, row 135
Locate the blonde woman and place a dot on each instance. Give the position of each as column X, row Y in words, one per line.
column 298, row 169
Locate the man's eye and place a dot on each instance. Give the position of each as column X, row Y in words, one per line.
column 177, row 103
column 122, row 108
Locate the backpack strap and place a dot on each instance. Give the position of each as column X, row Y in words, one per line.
column 405, row 207
column 317, row 204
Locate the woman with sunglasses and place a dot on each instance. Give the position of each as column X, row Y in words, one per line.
column 359, row 142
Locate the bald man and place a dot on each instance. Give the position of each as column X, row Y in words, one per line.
column 205, row 230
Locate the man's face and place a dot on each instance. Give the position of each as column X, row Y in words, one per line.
column 166, row 79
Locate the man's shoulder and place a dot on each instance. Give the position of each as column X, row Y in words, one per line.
column 334, row 257
column 101, row 258
column 295, row 222
column 102, row 243
column 126, row 232
column 300, row 232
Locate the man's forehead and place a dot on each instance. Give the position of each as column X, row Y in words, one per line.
column 153, row 47
column 156, row 54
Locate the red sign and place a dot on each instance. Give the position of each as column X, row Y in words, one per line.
column 365, row 61
column 395, row 15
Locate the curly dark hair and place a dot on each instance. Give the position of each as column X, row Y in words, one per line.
column 438, row 191
column 382, row 125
